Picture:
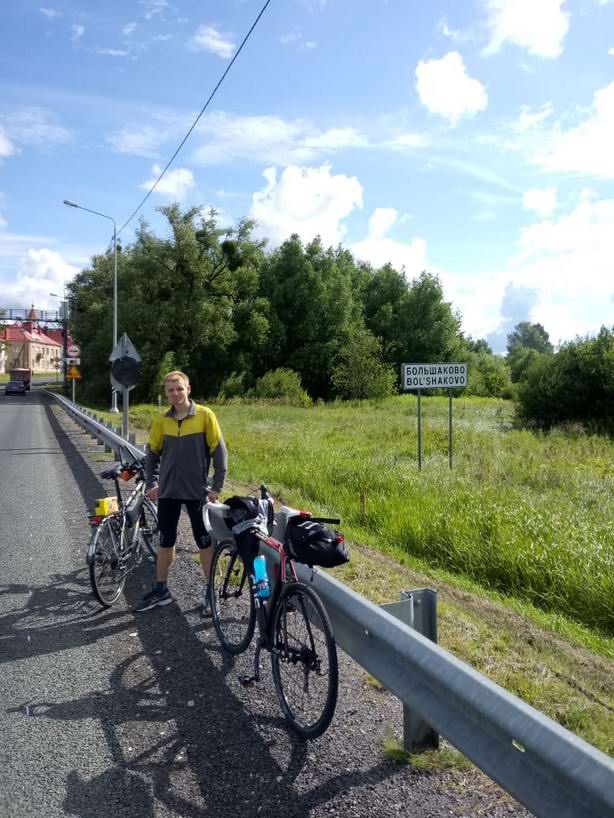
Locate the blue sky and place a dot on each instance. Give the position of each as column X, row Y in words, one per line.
column 471, row 138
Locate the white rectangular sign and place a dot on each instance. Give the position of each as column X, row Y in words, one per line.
column 72, row 361
column 434, row 376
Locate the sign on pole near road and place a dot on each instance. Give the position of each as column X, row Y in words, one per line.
column 434, row 376
column 72, row 361
column 416, row 377
column 73, row 351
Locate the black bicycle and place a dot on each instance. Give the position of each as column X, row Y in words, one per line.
column 293, row 625
column 120, row 539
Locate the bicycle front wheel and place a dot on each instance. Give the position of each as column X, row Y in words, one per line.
column 304, row 660
column 231, row 599
column 107, row 568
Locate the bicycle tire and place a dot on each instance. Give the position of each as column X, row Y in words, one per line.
column 107, row 572
column 304, row 660
column 233, row 611
column 149, row 532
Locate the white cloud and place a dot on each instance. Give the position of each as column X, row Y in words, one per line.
column 76, row 33
column 565, row 265
column 49, row 12
column 611, row 52
column 208, row 38
column 306, row 201
column 528, row 119
column 175, row 184
column 39, row 272
column 35, row 127
column 141, row 141
column 6, row 146
column 586, row 148
column 270, row 139
column 407, row 141
column 379, row 249
column 445, row 88
column 541, row 201
column 539, row 26
column 111, row 52
column 153, row 8
column 129, row 29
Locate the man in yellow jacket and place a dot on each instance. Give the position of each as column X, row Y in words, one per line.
column 182, row 444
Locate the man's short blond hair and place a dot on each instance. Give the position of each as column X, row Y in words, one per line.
column 176, row 375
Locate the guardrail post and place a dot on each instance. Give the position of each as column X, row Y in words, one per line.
column 132, row 438
column 418, row 609
column 107, row 448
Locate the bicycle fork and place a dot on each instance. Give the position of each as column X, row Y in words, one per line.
column 261, row 619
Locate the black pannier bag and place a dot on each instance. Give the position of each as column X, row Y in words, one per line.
column 310, row 542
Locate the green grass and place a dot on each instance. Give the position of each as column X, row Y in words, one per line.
column 522, row 514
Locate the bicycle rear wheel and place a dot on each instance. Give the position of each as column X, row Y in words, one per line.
column 107, row 568
column 304, row 660
column 149, row 532
column 232, row 603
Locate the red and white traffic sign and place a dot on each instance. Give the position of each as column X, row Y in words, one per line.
column 73, row 351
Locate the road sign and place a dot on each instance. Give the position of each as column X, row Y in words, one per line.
column 125, row 364
column 72, row 361
column 73, row 374
column 434, row 376
column 73, row 351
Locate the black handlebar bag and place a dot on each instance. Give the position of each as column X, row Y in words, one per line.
column 243, row 511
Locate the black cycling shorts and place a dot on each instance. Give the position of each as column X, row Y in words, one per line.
column 169, row 510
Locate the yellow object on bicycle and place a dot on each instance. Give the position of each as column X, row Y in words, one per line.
column 105, row 506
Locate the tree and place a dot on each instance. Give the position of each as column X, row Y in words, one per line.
column 359, row 371
column 194, row 292
column 413, row 321
column 530, row 336
column 576, row 384
column 312, row 307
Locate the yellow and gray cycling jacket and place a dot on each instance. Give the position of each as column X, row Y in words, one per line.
column 179, row 453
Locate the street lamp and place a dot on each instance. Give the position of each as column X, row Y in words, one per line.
column 63, row 312
column 111, row 219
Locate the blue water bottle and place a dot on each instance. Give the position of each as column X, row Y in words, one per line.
column 263, row 589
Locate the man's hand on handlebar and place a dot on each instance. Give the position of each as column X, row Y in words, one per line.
column 152, row 494
column 212, row 496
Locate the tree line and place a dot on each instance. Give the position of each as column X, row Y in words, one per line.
column 301, row 322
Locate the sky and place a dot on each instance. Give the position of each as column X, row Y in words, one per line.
column 470, row 138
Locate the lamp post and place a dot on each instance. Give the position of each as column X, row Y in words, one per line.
column 64, row 317
column 111, row 219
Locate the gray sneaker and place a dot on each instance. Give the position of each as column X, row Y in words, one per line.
column 207, row 604
column 154, row 599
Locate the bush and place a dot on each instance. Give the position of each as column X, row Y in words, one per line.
column 167, row 365
column 233, row 387
column 283, row 385
column 359, row 371
column 489, row 376
column 575, row 385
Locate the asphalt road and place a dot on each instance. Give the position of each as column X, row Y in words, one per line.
column 108, row 714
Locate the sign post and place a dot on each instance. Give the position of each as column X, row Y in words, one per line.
column 416, row 377
column 125, row 373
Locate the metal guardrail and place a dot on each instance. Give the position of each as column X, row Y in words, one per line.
column 553, row 772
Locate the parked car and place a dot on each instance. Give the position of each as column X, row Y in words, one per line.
column 15, row 388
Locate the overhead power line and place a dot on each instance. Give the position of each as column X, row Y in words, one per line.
column 194, row 124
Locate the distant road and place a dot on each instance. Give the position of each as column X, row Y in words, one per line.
column 106, row 715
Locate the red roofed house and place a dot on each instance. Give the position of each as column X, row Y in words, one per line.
column 29, row 348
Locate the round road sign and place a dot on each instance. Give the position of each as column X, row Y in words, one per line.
column 73, row 351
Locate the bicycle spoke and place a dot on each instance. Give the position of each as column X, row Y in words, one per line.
column 304, row 661
column 233, row 609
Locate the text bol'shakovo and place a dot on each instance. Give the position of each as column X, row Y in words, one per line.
column 430, row 376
